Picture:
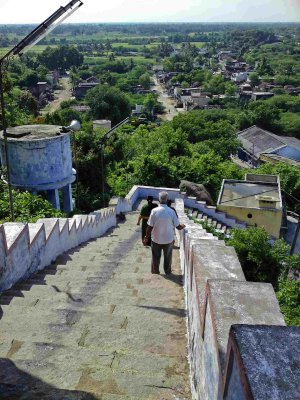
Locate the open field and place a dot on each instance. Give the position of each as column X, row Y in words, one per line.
column 35, row 49
column 97, row 60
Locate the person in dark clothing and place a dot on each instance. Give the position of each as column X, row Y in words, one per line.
column 169, row 204
column 144, row 216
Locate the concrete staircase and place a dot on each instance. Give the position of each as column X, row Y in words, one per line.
column 210, row 220
column 96, row 324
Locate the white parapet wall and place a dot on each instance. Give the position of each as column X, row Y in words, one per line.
column 26, row 248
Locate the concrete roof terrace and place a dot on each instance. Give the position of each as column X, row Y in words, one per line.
column 247, row 194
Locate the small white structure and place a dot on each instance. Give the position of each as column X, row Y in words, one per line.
column 138, row 109
column 102, row 123
column 239, row 76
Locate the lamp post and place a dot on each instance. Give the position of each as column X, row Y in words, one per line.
column 102, row 142
column 22, row 47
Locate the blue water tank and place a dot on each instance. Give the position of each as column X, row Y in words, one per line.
column 39, row 157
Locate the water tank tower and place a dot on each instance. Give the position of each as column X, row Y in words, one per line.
column 102, row 123
column 40, row 160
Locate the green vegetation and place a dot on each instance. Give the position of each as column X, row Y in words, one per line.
column 27, row 207
column 195, row 147
column 263, row 261
column 289, row 299
column 109, row 103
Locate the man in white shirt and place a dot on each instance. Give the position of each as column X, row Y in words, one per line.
column 161, row 224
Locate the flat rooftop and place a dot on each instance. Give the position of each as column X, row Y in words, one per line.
column 26, row 133
column 245, row 193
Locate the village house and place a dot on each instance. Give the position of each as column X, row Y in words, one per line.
column 260, row 145
column 261, row 95
column 43, row 92
column 82, row 88
column 255, row 200
column 239, row 76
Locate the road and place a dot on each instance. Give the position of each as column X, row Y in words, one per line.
column 60, row 95
column 168, row 103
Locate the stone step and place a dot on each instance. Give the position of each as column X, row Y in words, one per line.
column 214, row 223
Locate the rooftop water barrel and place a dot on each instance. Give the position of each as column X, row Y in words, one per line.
column 39, row 157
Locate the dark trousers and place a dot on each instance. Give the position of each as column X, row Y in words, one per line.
column 156, row 255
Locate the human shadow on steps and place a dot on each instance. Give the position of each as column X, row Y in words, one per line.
column 178, row 279
column 16, row 384
column 178, row 312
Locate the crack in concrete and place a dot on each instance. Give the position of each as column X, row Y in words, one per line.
column 124, row 324
column 83, row 336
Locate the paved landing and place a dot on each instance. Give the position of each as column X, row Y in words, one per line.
column 96, row 325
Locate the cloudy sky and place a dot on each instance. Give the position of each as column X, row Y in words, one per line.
column 35, row 11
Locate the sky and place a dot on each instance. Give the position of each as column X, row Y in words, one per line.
column 36, row 11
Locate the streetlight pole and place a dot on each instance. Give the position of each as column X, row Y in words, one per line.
column 22, row 47
column 102, row 142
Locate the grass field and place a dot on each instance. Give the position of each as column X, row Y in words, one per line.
column 35, row 49
column 136, row 59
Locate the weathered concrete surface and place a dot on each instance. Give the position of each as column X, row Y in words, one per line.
column 264, row 363
column 241, row 302
column 96, row 325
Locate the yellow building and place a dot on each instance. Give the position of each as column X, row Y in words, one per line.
column 256, row 201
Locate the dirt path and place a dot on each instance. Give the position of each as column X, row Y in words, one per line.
column 60, row 95
column 168, row 103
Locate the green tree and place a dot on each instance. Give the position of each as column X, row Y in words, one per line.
column 145, row 80
column 149, row 103
column 260, row 260
column 61, row 58
column 265, row 114
column 289, row 300
column 28, row 103
column 289, row 124
column 108, row 103
column 27, row 207
column 254, row 78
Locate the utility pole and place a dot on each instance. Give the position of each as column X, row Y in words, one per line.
column 102, row 143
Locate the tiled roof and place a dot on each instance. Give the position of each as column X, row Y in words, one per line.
column 256, row 140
